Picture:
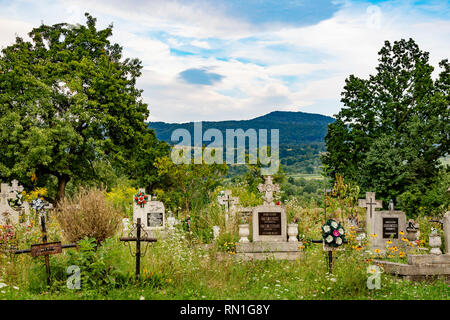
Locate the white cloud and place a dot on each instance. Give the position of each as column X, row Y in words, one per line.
column 294, row 68
column 201, row 44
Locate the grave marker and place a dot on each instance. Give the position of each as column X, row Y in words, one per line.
column 138, row 239
column 45, row 249
column 228, row 201
column 269, row 220
column 151, row 212
column 387, row 225
column 7, row 214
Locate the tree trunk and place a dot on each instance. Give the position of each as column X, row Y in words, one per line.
column 62, row 182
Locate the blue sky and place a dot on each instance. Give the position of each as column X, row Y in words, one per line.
column 220, row 60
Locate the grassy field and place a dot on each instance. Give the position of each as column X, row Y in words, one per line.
column 179, row 269
column 306, row 176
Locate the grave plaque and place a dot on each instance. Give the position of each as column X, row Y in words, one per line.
column 269, row 223
column 155, row 219
column 44, row 249
column 390, row 228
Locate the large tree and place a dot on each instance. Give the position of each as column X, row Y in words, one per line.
column 394, row 126
column 68, row 99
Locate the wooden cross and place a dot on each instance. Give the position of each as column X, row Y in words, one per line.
column 138, row 239
column 227, row 200
column 370, row 203
column 268, row 188
column 45, row 249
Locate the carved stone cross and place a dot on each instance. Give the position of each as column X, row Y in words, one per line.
column 370, row 203
column 6, row 194
column 227, row 200
column 15, row 186
column 7, row 214
column 268, row 188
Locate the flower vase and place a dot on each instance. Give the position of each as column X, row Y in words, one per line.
column 244, row 232
column 293, row 232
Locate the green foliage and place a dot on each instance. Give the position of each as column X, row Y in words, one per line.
column 393, row 129
column 69, row 108
column 187, row 185
column 93, row 261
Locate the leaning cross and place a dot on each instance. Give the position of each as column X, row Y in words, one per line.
column 138, row 239
column 268, row 188
column 370, row 203
column 227, row 200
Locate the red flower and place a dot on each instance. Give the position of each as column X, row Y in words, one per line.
column 278, row 203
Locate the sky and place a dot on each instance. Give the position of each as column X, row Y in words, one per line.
column 236, row 60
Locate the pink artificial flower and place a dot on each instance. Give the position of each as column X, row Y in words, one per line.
column 336, row 233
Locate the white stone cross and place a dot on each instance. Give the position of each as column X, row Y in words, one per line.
column 370, row 203
column 7, row 214
column 15, row 186
column 268, row 188
column 6, row 194
column 227, row 200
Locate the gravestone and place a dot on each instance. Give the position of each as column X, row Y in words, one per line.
column 269, row 230
column 370, row 204
column 151, row 213
column 447, row 232
column 227, row 200
column 269, row 220
column 7, row 214
column 446, row 223
column 125, row 227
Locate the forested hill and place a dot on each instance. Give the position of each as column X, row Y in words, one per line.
column 295, row 127
column 301, row 135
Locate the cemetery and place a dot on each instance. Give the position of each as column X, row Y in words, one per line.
column 93, row 205
column 269, row 255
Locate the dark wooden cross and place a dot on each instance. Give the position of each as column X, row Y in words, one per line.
column 138, row 239
column 45, row 249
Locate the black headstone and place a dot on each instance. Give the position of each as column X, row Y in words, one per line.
column 269, row 223
column 390, row 228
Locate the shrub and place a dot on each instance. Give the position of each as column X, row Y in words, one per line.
column 88, row 214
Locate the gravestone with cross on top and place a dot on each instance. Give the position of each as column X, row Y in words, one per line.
column 7, row 214
column 370, row 204
column 269, row 220
column 151, row 213
column 228, row 201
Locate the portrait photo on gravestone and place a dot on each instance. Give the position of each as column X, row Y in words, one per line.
column 224, row 159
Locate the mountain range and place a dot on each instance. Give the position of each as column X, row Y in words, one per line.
column 301, row 136
column 295, row 127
